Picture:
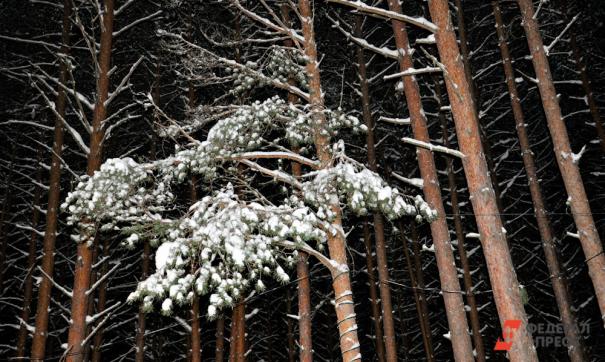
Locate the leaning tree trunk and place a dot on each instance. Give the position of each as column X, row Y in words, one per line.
column 388, row 322
column 580, row 208
column 31, row 264
column 79, row 303
column 493, row 238
column 466, row 270
column 448, row 275
column 345, row 307
column 559, row 282
column 38, row 348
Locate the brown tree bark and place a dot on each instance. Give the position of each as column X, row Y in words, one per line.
column 388, row 323
column 79, row 304
column 237, row 347
column 220, row 339
column 28, row 285
column 570, row 172
column 101, row 302
column 499, row 263
column 448, row 275
column 374, row 299
column 575, row 346
column 466, row 270
column 38, row 348
column 345, row 307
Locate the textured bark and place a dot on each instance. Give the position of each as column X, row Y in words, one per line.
column 28, row 285
column 345, row 307
column 448, row 275
column 466, row 270
column 388, row 322
column 559, row 281
column 415, row 269
column 499, row 263
column 237, row 348
column 79, row 303
column 570, row 172
column 38, row 348
column 374, row 299
column 219, row 350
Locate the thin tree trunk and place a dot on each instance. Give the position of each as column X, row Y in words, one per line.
column 592, row 104
column 499, row 263
column 580, row 208
column 415, row 269
column 448, row 275
column 38, row 348
column 101, row 302
column 345, row 307
column 220, row 339
column 559, row 281
column 388, row 323
column 374, row 299
column 31, row 264
column 238, row 333
column 466, row 270
column 79, row 305
column 291, row 344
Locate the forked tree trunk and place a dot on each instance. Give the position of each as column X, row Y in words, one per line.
column 466, row 270
column 345, row 307
column 499, row 263
column 448, row 274
column 575, row 346
column 31, row 264
column 570, row 172
column 38, row 348
column 414, row 269
column 374, row 299
column 388, row 322
column 79, row 303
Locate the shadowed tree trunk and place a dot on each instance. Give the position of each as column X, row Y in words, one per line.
column 388, row 323
column 374, row 299
column 237, row 347
column 483, row 198
column 448, row 275
column 559, row 282
column 28, row 284
column 466, row 270
column 568, row 165
column 414, row 270
column 345, row 307
column 220, row 339
column 38, row 348
column 79, row 303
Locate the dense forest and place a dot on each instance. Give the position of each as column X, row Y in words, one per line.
column 281, row 180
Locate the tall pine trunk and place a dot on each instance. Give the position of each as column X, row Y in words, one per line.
column 448, row 275
column 559, row 282
column 580, row 208
column 345, row 307
column 79, row 304
column 38, row 348
column 503, row 278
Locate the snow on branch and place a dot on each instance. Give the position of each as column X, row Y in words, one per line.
column 433, row 148
column 382, row 13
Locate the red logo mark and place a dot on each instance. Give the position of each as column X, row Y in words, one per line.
column 508, row 333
